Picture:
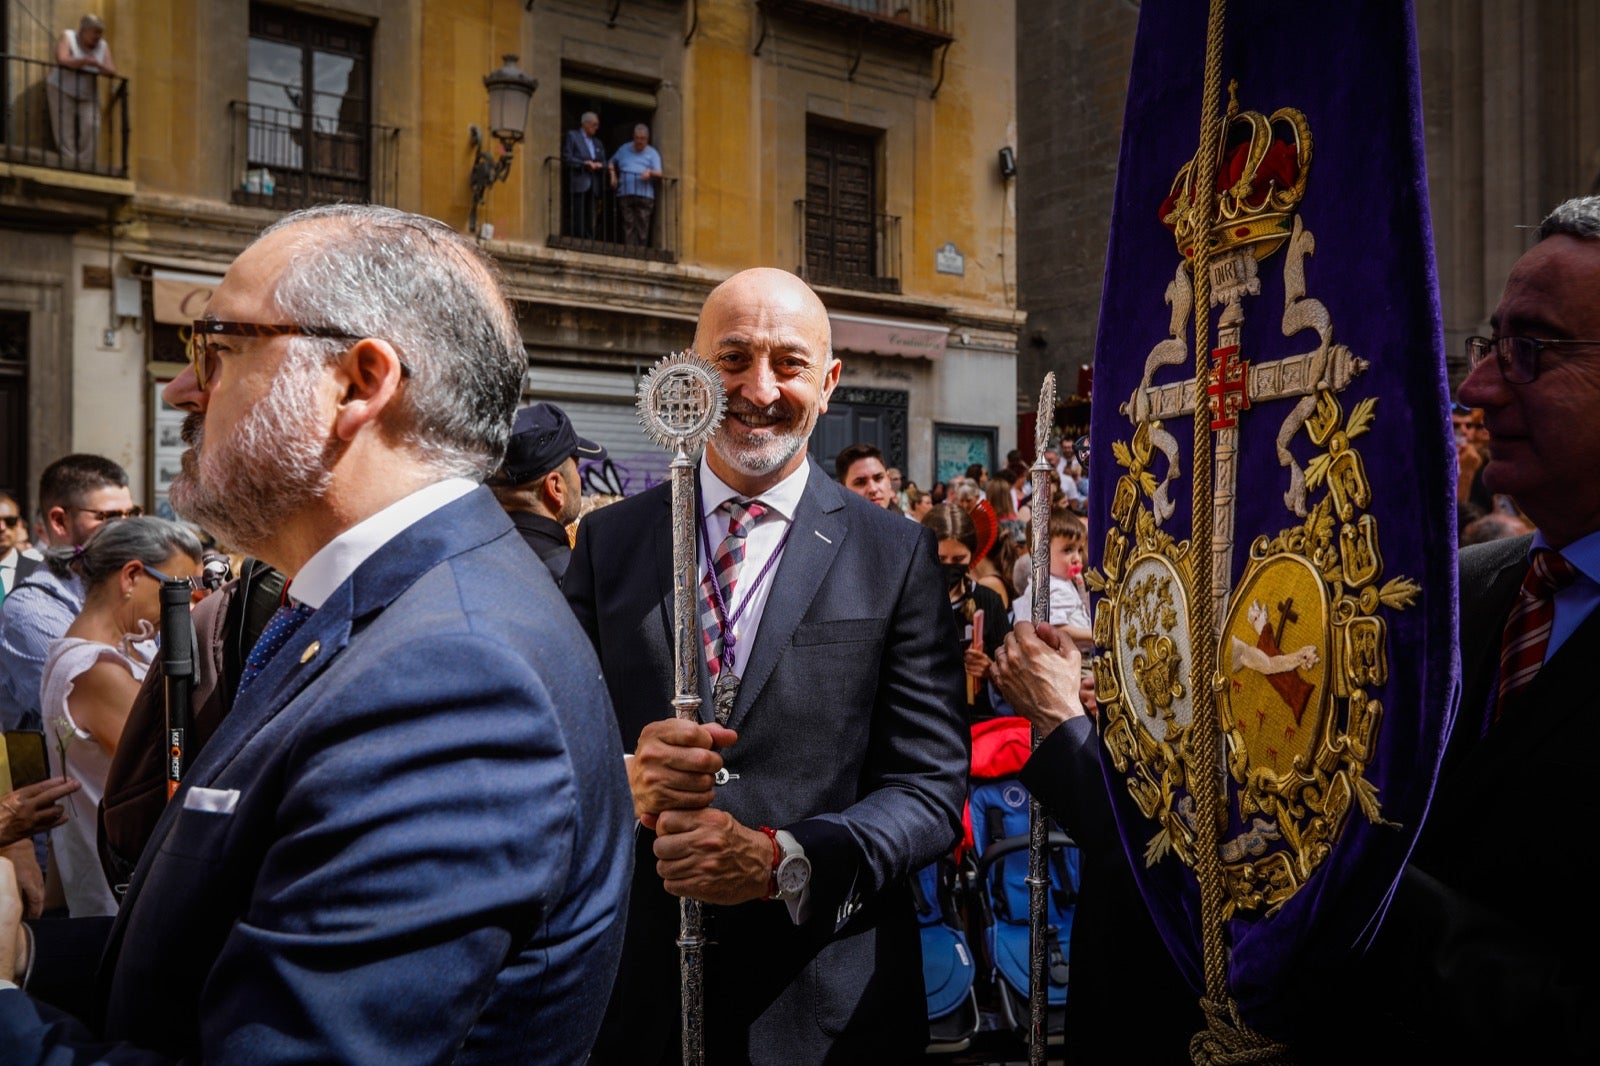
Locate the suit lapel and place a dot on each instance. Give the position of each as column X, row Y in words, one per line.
column 1558, row 694
column 1548, row 703
column 1499, row 577
column 818, row 530
column 466, row 523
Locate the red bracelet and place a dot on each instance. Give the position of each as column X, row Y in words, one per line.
column 777, row 857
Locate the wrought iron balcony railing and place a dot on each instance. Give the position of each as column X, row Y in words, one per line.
column 848, row 251
column 598, row 220
column 916, row 23
column 63, row 119
column 279, row 160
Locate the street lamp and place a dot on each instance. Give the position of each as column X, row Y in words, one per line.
column 510, row 92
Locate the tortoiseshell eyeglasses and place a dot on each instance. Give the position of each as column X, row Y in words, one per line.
column 203, row 355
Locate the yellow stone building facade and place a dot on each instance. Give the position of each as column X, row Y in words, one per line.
column 856, row 141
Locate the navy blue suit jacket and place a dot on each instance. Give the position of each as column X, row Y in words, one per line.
column 851, row 736
column 429, row 852
column 575, row 153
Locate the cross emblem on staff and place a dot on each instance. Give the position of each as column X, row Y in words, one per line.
column 682, row 403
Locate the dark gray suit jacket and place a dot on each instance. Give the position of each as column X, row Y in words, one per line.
column 1487, row 952
column 575, row 153
column 850, row 736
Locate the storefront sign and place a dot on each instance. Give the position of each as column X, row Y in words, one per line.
column 888, row 336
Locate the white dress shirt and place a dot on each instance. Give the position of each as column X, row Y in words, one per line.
column 336, row 560
column 750, row 599
column 760, row 545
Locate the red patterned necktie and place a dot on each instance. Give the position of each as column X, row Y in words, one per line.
column 742, row 517
column 1527, row 632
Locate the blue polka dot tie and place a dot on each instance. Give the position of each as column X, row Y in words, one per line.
column 283, row 624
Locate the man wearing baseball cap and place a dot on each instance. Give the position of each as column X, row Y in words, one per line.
column 538, row 482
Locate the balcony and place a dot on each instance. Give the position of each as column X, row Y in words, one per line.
column 910, row 23
column 279, row 160
column 87, row 135
column 607, row 231
column 848, row 251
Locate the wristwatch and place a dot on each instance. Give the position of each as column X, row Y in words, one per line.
column 791, row 870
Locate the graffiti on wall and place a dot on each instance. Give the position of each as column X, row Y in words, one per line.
column 620, row 475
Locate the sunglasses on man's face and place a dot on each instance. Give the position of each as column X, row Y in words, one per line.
column 10, row 521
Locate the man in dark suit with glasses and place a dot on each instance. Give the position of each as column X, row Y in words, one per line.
column 1488, row 950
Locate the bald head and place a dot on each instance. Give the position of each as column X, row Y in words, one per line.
column 776, row 291
column 769, row 335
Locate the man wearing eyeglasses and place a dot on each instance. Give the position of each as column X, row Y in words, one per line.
column 410, row 838
column 77, row 495
column 1491, row 939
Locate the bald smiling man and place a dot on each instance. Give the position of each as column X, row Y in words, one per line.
column 845, row 746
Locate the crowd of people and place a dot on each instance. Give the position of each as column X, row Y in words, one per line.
column 439, row 805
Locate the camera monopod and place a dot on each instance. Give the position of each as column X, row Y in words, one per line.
column 177, row 670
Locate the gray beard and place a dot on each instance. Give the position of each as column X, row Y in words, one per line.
column 758, row 456
column 277, row 461
column 757, row 459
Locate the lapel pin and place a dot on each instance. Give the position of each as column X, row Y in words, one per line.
column 311, row 651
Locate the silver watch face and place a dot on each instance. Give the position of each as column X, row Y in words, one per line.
column 794, row 873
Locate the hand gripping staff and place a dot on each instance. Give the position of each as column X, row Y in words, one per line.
column 680, row 406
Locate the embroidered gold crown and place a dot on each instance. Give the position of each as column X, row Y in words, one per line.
column 1262, row 164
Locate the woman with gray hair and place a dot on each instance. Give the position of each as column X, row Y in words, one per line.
column 93, row 674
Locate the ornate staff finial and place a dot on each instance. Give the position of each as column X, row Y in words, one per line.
column 1047, row 414
column 681, row 401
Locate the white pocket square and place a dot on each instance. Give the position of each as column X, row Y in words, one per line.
column 211, row 800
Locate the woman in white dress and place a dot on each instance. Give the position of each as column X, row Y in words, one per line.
column 93, row 674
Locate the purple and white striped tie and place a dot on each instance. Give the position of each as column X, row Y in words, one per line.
column 742, row 518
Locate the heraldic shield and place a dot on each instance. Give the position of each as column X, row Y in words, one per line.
column 1316, row 577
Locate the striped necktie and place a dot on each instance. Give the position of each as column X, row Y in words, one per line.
column 1527, row 632
column 742, row 518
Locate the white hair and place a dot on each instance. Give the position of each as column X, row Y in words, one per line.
column 413, row 281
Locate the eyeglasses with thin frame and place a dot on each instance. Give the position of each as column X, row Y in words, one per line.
column 1517, row 357
column 202, row 352
column 192, row 582
column 110, row 516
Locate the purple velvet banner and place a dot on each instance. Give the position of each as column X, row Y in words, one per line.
column 1334, row 478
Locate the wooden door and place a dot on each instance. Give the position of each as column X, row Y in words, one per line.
column 840, row 197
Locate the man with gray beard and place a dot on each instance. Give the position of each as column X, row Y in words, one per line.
column 829, row 643
column 408, row 841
